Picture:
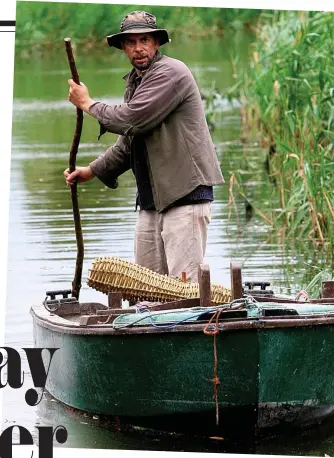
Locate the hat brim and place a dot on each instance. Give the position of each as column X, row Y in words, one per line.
column 115, row 40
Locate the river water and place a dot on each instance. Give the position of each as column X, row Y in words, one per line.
column 42, row 247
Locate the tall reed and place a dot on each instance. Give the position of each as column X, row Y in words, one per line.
column 287, row 97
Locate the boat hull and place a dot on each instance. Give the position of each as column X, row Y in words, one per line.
column 269, row 375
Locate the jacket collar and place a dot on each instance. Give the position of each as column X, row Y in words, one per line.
column 132, row 75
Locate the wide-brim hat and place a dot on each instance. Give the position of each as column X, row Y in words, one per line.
column 138, row 22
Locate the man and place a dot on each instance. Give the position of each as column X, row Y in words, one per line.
column 164, row 138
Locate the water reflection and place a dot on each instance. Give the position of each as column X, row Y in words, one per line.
column 93, row 431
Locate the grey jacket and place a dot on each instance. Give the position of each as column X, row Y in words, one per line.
column 167, row 110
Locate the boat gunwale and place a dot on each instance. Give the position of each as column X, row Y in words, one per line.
column 234, row 324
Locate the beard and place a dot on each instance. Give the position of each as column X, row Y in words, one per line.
column 141, row 66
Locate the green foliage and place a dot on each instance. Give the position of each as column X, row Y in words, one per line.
column 287, row 96
column 314, row 287
column 211, row 99
column 42, row 26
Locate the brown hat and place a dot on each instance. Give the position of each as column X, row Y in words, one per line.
column 138, row 22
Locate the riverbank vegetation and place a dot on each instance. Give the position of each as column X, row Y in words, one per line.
column 41, row 26
column 287, row 102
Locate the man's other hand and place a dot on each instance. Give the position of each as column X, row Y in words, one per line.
column 80, row 175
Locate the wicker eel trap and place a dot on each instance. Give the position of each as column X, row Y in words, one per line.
column 135, row 282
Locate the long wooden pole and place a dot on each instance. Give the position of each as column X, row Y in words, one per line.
column 76, row 284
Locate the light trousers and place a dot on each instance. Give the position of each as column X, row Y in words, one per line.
column 173, row 242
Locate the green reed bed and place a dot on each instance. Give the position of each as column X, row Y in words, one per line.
column 41, row 26
column 287, row 97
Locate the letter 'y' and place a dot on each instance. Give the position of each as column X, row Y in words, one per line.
column 38, row 372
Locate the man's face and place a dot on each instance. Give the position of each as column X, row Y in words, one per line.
column 140, row 49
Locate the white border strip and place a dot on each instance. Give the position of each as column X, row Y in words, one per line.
column 7, row 12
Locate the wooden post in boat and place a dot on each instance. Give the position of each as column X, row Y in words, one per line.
column 236, row 280
column 115, row 300
column 327, row 289
column 204, row 285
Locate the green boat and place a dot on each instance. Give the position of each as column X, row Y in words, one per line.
column 259, row 363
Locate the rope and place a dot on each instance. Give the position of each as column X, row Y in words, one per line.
column 213, row 330
column 216, row 381
column 164, row 326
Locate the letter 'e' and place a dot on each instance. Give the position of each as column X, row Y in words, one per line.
column 6, row 440
column 45, row 440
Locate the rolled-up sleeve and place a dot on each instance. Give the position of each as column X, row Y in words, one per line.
column 113, row 163
column 155, row 98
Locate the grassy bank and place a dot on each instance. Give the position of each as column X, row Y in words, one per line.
column 42, row 26
column 287, row 97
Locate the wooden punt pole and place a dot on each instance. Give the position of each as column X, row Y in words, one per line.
column 76, row 284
